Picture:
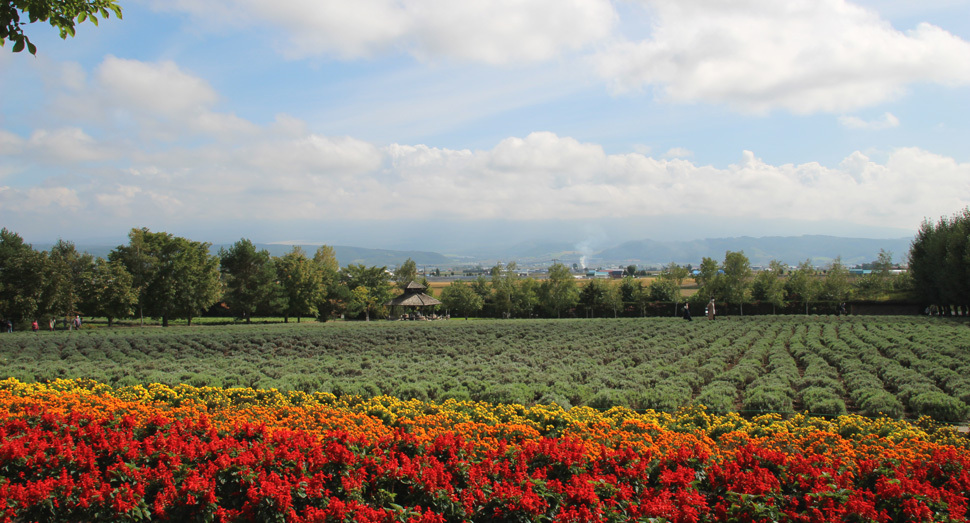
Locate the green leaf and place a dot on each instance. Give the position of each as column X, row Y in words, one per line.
column 19, row 46
column 82, row 17
column 31, row 48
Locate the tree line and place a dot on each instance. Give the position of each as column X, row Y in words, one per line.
column 160, row 275
column 731, row 281
column 939, row 264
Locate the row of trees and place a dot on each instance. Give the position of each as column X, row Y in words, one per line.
column 164, row 276
column 160, row 275
column 939, row 263
column 731, row 281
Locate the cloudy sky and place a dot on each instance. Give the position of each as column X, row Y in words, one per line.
column 436, row 124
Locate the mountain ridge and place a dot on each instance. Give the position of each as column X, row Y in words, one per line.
column 820, row 249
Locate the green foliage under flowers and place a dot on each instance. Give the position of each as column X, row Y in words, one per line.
column 895, row 366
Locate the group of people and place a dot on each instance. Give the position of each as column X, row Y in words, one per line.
column 69, row 323
column 709, row 311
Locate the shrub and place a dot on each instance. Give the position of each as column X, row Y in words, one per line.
column 939, row 406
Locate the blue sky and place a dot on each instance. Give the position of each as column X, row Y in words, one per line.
column 435, row 124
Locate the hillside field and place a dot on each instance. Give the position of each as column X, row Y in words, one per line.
column 898, row 366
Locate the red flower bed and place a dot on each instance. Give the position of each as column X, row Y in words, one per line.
column 81, row 467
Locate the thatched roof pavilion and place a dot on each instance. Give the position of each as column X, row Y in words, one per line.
column 414, row 296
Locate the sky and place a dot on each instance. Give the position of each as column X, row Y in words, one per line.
column 443, row 125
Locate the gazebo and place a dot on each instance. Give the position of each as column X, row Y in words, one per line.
column 414, row 297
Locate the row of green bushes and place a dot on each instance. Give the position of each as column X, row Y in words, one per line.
column 823, row 365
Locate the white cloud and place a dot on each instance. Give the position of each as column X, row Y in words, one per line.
column 489, row 31
column 801, row 56
column 39, row 200
column 159, row 88
column 541, row 176
column 66, row 146
column 888, row 121
column 678, row 152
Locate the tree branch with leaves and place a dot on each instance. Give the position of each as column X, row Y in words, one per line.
column 60, row 14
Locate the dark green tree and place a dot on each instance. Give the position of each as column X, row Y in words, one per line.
column 504, row 283
column 67, row 271
column 710, row 280
column 110, row 292
column 736, row 278
column 804, row 285
column 835, row 285
column 370, row 289
column 22, row 271
column 592, row 296
column 140, row 261
column 405, row 274
column 249, row 278
column 769, row 286
column 180, row 278
column 332, row 296
column 461, row 298
column 300, row 282
column 525, row 298
column 558, row 292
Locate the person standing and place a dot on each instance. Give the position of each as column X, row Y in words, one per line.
column 52, row 324
column 687, row 312
column 34, row 326
column 710, row 310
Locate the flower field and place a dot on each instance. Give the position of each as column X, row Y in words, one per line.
column 897, row 366
column 80, row 450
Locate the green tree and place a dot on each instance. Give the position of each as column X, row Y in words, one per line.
column 65, row 274
column 249, row 278
column 405, row 274
column 593, row 296
column 61, row 14
column 181, row 278
column 361, row 302
column 504, row 283
column 22, row 271
column 333, row 295
column 769, row 287
column 558, row 292
column 110, row 291
column 736, row 278
column 326, row 258
column 525, row 298
column 301, row 284
column 667, row 285
column 835, row 285
column 612, row 298
column 461, row 298
column 377, row 284
column 140, row 261
column 710, row 280
column 804, row 284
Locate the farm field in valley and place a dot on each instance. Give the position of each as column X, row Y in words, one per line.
column 898, row 366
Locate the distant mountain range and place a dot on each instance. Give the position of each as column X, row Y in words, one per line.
column 791, row 250
column 760, row 251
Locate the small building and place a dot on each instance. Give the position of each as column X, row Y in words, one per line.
column 414, row 298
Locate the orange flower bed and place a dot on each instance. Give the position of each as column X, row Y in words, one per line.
column 81, row 451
